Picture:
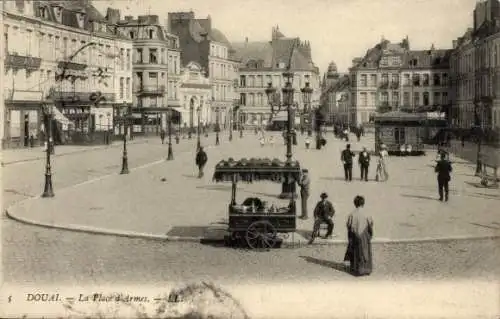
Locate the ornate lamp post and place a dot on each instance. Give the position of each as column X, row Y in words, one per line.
column 170, row 151
column 217, row 125
column 191, row 124
column 479, row 111
column 48, row 191
column 231, row 125
column 126, row 118
column 288, row 186
column 198, row 142
column 108, row 134
column 306, row 98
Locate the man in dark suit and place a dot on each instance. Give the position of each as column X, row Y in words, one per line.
column 201, row 160
column 443, row 169
column 364, row 163
column 304, row 183
column 346, row 158
column 323, row 214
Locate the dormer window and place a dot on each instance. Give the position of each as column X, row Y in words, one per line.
column 44, row 13
column 80, row 17
column 151, row 34
column 58, row 13
column 132, row 35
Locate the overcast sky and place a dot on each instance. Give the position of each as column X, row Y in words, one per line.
column 338, row 30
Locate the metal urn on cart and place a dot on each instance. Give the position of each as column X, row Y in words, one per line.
column 253, row 223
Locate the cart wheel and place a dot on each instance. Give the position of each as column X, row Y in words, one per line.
column 261, row 234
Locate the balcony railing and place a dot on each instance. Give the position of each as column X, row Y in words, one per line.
column 72, row 65
column 17, row 62
column 384, row 85
column 72, row 96
column 151, row 90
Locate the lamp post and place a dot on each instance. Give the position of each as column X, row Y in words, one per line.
column 479, row 110
column 231, row 125
column 48, row 190
column 217, row 125
column 170, row 151
column 288, row 186
column 198, row 142
column 108, row 134
column 306, row 98
column 125, row 119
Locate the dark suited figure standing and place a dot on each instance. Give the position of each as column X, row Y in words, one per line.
column 364, row 163
column 443, row 170
column 201, row 160
column 323, row 214
column 304, row 183
column 162, row 136
column 346, row 158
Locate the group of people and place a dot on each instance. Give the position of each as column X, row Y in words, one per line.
column 364, row 159
column 359, row 229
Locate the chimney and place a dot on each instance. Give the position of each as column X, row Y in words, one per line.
column 113, row 15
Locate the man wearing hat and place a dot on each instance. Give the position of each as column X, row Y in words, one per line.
column 323, row 214
column 304, row 184
column 346, row 158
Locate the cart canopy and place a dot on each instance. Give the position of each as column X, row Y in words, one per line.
column 256, row 169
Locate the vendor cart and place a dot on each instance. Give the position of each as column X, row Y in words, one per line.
column 252, row 222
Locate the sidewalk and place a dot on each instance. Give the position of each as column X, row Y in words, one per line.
column 182, row 207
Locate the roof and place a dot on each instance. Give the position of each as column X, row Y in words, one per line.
column 217, row 36
column 246, row 51
column 436, row 59
column 398, row 115
column 256, row 169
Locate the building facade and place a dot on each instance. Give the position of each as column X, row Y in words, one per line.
column 475, row 71
column 392, row 77
column 156, row 69
column 334, row 90
column 264, row 62
column 206, row 46
column 71, row 55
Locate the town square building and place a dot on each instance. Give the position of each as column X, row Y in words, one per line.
column 70, row 57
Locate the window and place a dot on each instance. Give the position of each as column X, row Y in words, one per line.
column 406, row 79
column 153, row 56
column 129, row 92
column 243, row 82
column 445, row 98
column 437, row 79
column 395, row 78
column 395, row 98
column 395, row 60
column 132, row 35
column 153, row 75
column 384, row 61
column 363, row 99
column 128, row 59
column 426, row 98
column 364, row 80
column 162, row 57
column 385, row 79
column 373, row 80
column 122, row 59
column 436, row 99
column 121, row 88
column 416, row 99
column 65, row 47
column 139, row 56
column 445, row 79
column 6, row 41
column 426, row 80
column 151, row 34
column 406, row 98
column 416, row 79
column 384, row 97
column 243, row 99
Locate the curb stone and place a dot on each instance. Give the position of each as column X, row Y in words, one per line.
column 131, row 234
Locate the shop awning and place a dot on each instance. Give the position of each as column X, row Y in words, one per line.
column 61, row 118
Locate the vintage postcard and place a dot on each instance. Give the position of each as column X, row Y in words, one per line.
column 250, row 159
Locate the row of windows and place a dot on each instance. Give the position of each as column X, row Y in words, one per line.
column 417, row 79
column 218, row 51
column 155, row 56
column 487, row 55
column 221, row 71
column 52, row 47
column 221, row 92
column 261, row 81
column 419, row 98
column 125, row 91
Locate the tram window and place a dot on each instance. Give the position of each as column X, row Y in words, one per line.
column 399, row 135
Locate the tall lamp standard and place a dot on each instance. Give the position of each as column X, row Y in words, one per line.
column 108, row 135
column 217, row 125
column 198, row 142
column 306, row 98
column 170, row 155
column 479, row 110
column 288, row 186
column 48, row 191
column 231, row 124
column 126, row 118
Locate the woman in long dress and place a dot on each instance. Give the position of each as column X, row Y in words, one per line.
column 359, row 233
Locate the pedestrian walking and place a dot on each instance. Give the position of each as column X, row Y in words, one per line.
column 162, row 136
column 271, row 140
column 308, row 142
column 201, row 160
column 364, row 163
column 443, row 169
column 304, row 184
column 32, row 140
column 359, row 235
column 345, row 133
column 323, row 214
column 383, row 155
column 346, row 158
column 358, row 134
column 262, row 142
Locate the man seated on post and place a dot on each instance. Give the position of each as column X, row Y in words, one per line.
column 323, row 214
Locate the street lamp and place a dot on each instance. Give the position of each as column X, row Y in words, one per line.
column 126, row 118
column 198, row 142
column 479, row 110
column 306, row 98
column 217, row 125
column 48, row 191
column 231, row 125
column 170, row 151
column 108, row 115
column 288, row 186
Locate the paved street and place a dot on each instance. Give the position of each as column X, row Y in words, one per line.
column 405, row 207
